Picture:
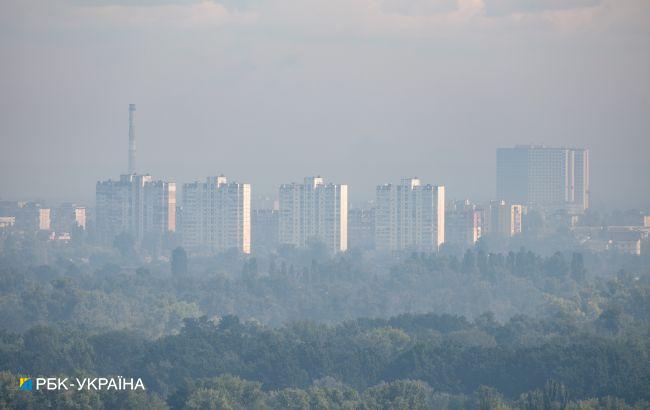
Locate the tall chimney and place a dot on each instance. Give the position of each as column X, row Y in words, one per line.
column 131, row 138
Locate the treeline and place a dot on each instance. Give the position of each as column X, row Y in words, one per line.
column 446, row 354
column 228, row 392
column 100, row 294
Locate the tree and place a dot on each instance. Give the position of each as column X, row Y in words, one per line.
column 555, row 395
column 179, row 261
column 209, row 399
column 611, row 321
column 556, row 265
column 125, row 245
column 242, row 394
column 400, row 394
column 487, row 398
column 290, row 399
column 578, row 271
column 469, row 262
column 249, row 268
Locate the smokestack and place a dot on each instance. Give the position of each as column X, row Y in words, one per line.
column 131, row 138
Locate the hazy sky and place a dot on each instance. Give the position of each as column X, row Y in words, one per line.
column 359, row 91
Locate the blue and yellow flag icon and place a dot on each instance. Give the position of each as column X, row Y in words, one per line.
column 26, row 383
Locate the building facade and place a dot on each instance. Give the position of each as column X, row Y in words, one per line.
column 45, row 219
column 216, row 215
column 313, row 211
column 463, row 224
column 503, row 219
column 361, row 228
column 544, row 176
column 68, row 217
column 264, row 229
column 410, row 216
column 159, row 210
column 135, row 205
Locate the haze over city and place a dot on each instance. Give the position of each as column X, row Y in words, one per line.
column 362, row 91
column 325, row 204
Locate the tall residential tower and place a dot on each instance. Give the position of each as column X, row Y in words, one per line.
column 314, row 211
column 410, row 216
column 216, row 215
column 135, row 204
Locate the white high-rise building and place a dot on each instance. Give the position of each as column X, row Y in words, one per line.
column 135, row 205
column 313, row 211
column 217, row 215
column 159, row 210
column 545, row 176
column 410, row 216
column 581, row 178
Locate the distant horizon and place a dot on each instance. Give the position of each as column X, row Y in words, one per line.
column 355, row 202
column 267, row 194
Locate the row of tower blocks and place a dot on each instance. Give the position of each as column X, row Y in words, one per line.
column 216, row 214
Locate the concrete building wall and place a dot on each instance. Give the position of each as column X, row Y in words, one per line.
column 544, row 176
column 410, row 216
column 313, row 211
column 216, row 215
column 135, row 205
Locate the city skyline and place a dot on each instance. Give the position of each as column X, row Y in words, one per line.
column 216, row 215
column 332, row 204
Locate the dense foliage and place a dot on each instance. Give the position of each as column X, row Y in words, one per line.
column 105, row 291
column 228, row 392
column 297, row 329
column 363, row 361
